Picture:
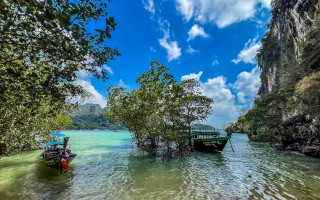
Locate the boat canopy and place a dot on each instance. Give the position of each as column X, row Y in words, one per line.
column 53, row 143
column 57, row 134
column 205, row 132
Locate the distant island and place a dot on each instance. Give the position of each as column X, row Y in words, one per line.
column 91, row 116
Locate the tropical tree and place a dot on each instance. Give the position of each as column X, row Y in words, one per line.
column 196, row 106
column 43, row 44
column 143, row 110
column 160, row 111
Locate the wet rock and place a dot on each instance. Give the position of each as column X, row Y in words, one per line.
column 294, row 147
column 311, row 151
column 278, row 146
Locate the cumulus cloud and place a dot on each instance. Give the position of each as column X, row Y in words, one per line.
column 229, row 98
column 186, row 8
column 248, row 53
column 222, row 13
column 224, row 108
column 241, row 97
column 96, row 97
column 192, row 76
column 172, row 47
column 196, row 31
column 247, row 84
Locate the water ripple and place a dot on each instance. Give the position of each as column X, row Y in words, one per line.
column 107, row 167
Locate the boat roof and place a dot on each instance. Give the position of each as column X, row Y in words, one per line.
column 53, row 143
column 205, row 131
column 57, row 134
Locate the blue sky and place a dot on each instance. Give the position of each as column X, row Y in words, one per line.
column 214, row 41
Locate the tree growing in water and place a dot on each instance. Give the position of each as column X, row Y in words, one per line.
column 43, row 45
column 196, row 107
column 160, row 111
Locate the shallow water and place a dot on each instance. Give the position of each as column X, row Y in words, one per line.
column 108, row 167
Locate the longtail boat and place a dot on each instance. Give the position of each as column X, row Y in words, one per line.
column 52, row 155
column 209, row 140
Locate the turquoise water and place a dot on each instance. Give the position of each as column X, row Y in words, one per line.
column 109, row 167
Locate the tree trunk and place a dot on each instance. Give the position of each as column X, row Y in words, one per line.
column 189, row 134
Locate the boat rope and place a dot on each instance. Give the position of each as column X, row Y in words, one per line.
column 231, row 146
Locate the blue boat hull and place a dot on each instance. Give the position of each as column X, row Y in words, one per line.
column 55, row 161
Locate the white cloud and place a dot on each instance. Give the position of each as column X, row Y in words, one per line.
column 248, row 54
column 215, row 62
column 225, row 108
column 172, row 47
column 109, row 69
column 192, row 76
column 149, row 6
column 96, row 97
column 266, row 3
column 196, row 31
column 84, row 75
column 186, row 8
column 241, row 97
column 191, row 51
column 247, row 84
column 222, row 13
column 121, row 84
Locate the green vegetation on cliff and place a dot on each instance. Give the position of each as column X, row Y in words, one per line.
column 288, row 109
column 92, row 116
column 202, row 127
column 262, row 120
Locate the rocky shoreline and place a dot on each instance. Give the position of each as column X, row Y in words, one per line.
column 300, row 133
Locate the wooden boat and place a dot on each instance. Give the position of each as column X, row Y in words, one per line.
column 52, row 153
column 209, row 140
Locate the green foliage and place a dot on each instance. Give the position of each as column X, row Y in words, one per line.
column 160, row 111
column 202, row 127
column 262, row 134
column 43, row 45
column 265, row 116
column 196, row 107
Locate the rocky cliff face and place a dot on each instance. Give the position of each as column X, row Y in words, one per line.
column 290, row 24
column 280, row 62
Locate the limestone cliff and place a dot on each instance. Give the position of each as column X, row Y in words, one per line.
column 288, row 109
column 283, row 64
column 291, row 22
